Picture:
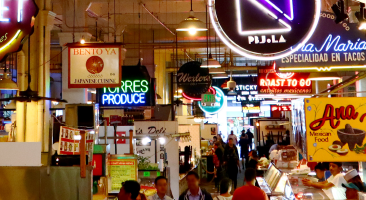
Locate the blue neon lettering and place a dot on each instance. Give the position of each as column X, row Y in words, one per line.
column 142, row 97
column 123, row 99
column 134, row 98
column 105, row 98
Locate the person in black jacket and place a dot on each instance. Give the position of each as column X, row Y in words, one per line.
column 231, row 162
column 194, row 191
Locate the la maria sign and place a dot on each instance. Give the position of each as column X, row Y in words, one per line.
column 331, row 45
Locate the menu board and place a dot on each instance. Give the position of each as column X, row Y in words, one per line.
column 335, row 129
column 70, row 141
column 121, row 170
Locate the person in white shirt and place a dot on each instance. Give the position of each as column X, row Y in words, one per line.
column 161, row 185
column 225, row 188
column 333, row 183
column 233, row 136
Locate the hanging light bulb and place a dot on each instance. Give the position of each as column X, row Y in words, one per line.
column 162, row 140
column 82, row 41
column 145, row 141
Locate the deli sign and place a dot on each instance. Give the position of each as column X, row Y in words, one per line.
column 16, row 22
column 335, row 129
column 94, row 65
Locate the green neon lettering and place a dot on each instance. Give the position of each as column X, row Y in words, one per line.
column 135, row 85
column 104, row 90
column 144, row 86
column 128, row 84
column 123, row 87
column 116, row 90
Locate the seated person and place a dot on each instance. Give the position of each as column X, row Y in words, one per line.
column 320, row 172
column 334, row 183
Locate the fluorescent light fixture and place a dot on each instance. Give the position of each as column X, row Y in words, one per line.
column 247, row 53
column 282, row 96
column 244, row 75
column 220, row 76
column 319, row 69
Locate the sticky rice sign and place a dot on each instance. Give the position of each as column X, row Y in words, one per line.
column 335, row 129
column 94, row 65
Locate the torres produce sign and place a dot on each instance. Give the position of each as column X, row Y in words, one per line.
column 16, row 22
column 94, row 65
column 135, row 89
column 269, row 81
column 335, row 129
column 331, row 45
column 265, row 29
column 193, row 80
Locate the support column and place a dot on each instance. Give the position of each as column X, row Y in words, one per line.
column 20, row 106
column 72, row 95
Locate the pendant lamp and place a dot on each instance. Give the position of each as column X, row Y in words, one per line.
column 191, row 24
column 8, row 84
column 210, row 63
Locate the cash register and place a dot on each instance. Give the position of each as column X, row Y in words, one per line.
column 276, row 184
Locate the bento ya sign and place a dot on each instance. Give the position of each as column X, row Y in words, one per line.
column 16, row 22
column 131, row 93
column 265, row 29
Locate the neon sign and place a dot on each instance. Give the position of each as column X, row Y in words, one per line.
column 280, row 108
column 265, row 29
column 130, row 93
column 16, row 21
column 217, row 106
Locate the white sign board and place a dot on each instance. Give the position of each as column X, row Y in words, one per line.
column 20, row 154
column 94, row 65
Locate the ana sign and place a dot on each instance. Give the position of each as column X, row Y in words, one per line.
column 331, row 45
column 335, row 129
column 193, row 80
column 283, row 83
column 94, row 65
column 264, row 29
column 16, row 22
column 218, row 105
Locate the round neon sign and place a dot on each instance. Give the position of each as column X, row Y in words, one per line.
column 16, row 21
column 219, row 104
column 265, row 29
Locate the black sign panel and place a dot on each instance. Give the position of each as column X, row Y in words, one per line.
column 193, row 80
column 331, row 45
column 265, row 29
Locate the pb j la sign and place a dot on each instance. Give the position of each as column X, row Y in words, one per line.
column 265, row 29
column 16, row 22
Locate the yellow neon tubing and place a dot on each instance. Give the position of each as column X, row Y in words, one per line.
column 12, row 39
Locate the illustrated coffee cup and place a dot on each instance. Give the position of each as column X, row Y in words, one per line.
column 351, row 138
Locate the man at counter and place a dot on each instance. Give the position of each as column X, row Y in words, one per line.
column 161, row 185
column 194, row 191
column 333, row 184
column 320, row 172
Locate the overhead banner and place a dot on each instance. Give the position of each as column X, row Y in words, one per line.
column 335, row 129
column 331, row 45
column 135, row 89
column 16, row 21
column 193, row 80
column 94, row 65
column 271, row 82
column 263, row 29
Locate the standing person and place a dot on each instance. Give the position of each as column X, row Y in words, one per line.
column 161, row 185
column 253, row 161
column 249, row 191
column 129, row 191
column 231, row 161
column 250, row 138
column 354, row 184
column 233, row 136
column 334, row 183
column 225, row 188
column 243, row 142
column 219, row 155
column 194, row 191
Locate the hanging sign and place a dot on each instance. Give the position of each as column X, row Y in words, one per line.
column 135, row 89
column 335, row 129
column 193, row 80
column 217, row 106
column 265, row 29
column 16, row 21
column 276, row 108
column 246, row 89
column 94, row 65
column 331, row 45
column 269, row 81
